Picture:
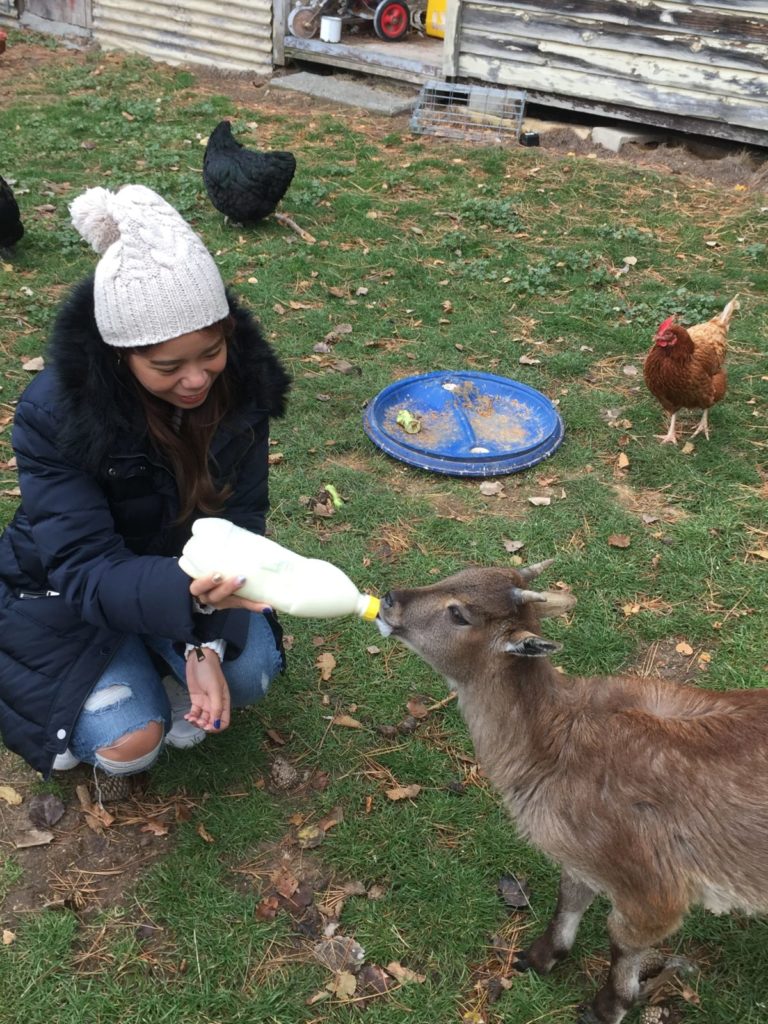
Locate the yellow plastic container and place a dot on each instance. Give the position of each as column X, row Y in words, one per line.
column 435, row 25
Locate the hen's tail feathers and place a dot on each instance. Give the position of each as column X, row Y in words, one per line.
column 725, row 317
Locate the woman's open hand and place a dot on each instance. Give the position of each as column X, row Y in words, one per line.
column 219, row 593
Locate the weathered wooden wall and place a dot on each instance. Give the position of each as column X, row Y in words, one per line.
column 233, row 36
column 700, row 64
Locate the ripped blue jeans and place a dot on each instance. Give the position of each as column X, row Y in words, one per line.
column 130, row 693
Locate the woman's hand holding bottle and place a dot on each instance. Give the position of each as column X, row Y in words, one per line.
column 217, row 592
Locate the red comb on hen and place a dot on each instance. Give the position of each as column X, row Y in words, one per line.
column 669, row 322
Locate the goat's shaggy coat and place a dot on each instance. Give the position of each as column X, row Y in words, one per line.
column 651, row 792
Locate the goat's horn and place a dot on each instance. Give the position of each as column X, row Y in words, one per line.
column 530, row 572
column 526, row 596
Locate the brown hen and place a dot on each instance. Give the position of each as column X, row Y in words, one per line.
column 685, row 368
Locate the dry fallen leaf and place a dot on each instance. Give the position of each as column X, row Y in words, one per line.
column 204, row 834
column 45, row 809
column 155, row 828
column 374, row 980
column 404, row 974
column 96, row 815
column 538, row 501
column 343, row 985
column 268, row 908
column 326, row 663
column 684, row 648
column 33, row 837
column 335, row 817
column 309, row 837
column 759, row 553
column 528, row 361
column 690, row 996
column 623, row 461
column 619, row 540
column 346, row 721
column 687, row 448
column 492, row 488
column 339, row 953
column 8, row 937
column 284, row 881
column 513, row 545
column 317, row 997
column 417, row 708
column 9, row 794
column 404, row 792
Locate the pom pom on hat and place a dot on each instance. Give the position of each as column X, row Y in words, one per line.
column 93, row 218
column 156, row 279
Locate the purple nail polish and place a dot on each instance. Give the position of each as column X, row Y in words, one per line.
column 217, row 724
column 267, row 609
column 240, row 580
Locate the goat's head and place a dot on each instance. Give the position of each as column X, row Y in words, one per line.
column 455, row 625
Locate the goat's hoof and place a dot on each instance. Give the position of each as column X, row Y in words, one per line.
column 521, row 962
column 586, row 1015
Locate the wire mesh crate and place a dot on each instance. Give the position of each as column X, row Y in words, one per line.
column 472, row 112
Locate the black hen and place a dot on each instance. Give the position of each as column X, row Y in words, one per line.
column 11, row 228
column 243, row 184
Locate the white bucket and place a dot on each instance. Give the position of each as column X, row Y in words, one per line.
column 330, row 30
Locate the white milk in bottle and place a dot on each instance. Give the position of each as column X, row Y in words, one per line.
column 288, row 582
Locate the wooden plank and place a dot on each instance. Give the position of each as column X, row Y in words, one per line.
column 734, row 53
column 641, row 94
column 707, row 17
column 361, row 58
column 675, row 74
column 452, row 41
column 657, row 118
column 279, row 29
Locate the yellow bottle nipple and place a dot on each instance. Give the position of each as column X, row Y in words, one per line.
column 371, row 609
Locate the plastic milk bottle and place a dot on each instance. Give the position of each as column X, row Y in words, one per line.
column 280, row 578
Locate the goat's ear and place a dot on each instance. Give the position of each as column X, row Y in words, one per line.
column 532, row 646
column 558, row 602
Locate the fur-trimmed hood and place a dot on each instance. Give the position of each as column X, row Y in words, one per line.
column 99, row 411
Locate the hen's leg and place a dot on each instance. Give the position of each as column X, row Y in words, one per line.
column 670, row 437
column 703, row 426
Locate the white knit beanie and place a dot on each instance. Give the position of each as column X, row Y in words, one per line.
column 155, row 279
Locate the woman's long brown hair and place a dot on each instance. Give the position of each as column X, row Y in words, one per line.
column 187, row 447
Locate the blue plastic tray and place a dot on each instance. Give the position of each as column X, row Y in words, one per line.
column 470, row 424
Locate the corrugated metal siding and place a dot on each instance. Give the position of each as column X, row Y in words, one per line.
column 232, row 36
column 704, row 59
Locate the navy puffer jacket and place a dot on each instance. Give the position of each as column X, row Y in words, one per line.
column 96, row 523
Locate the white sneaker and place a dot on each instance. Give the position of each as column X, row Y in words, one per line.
column 182, row 733
column 65, row 762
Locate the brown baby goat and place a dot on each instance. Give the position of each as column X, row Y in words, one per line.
column 653, row 793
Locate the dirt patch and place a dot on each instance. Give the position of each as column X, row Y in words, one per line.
column 662, row 660
column 85, row 866
column 649, row 504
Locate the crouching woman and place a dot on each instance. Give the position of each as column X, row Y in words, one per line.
column 153, row 410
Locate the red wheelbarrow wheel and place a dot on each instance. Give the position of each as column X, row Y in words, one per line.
column 391, row 20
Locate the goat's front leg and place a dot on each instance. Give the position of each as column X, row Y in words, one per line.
column 633, row 960
column 557, row 941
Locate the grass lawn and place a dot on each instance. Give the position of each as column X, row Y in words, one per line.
column 429, row 255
